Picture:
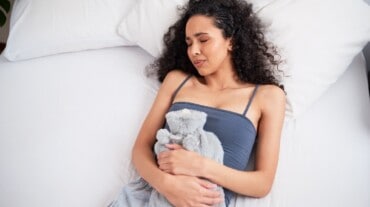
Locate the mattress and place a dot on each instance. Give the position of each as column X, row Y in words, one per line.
column 68, row 123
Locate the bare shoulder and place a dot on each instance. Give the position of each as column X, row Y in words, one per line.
column 270, row 90
column 172, row 80
column 174, row 76
column 271, row 96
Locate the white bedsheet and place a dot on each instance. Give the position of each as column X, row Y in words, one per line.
column 68, row 122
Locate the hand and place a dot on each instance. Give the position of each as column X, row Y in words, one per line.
column 187, row 191
column 178, row 161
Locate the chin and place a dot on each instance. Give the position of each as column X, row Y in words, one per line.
column 203, row 71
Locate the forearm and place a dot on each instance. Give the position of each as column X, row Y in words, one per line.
column 248, row 183
column 145, row 163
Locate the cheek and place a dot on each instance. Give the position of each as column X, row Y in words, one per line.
column 218, row 53
column 217, row 48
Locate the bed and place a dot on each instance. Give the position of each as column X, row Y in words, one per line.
column 71, row 103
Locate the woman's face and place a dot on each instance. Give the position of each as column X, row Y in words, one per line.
column 208, row 50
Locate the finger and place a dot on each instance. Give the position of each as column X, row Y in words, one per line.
column 174, row 146
column 203, row 205
column 163, row 166
column 163, row 155
column 211, row 194
column 211, row 201
column 207, row 184
column 162, row 159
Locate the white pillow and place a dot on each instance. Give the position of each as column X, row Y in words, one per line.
column 318, row 38
column 148, row 21
column 39, row 27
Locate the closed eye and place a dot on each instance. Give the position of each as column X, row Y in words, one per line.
column 188, row 42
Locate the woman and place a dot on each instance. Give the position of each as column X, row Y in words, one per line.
column 217, row 61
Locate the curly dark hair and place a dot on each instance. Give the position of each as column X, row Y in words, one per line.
column 254, row 59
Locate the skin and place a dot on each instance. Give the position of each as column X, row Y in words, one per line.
column 175, row 173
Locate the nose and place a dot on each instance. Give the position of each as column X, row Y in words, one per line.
column 194, row 50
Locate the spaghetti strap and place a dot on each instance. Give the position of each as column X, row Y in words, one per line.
column 250, row 100
column 179, row 87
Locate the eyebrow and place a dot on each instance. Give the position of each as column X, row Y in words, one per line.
column 197, row 35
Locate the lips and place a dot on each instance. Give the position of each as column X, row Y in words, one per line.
column 198, row 63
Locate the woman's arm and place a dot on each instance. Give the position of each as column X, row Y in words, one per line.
column 177, row 189
column 142, row 153
column 271, row 102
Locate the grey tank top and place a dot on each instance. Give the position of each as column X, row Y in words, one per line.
column 235, row 131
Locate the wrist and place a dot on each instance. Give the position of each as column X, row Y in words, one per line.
column 209, row 169
column 203, row 167
column 163, row 182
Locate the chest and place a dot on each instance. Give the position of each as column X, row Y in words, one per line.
column 234, row 100
column 235, row 132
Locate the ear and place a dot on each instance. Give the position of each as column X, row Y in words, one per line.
column 230, row 46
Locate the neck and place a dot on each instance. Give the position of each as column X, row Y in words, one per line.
column 222, row 79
